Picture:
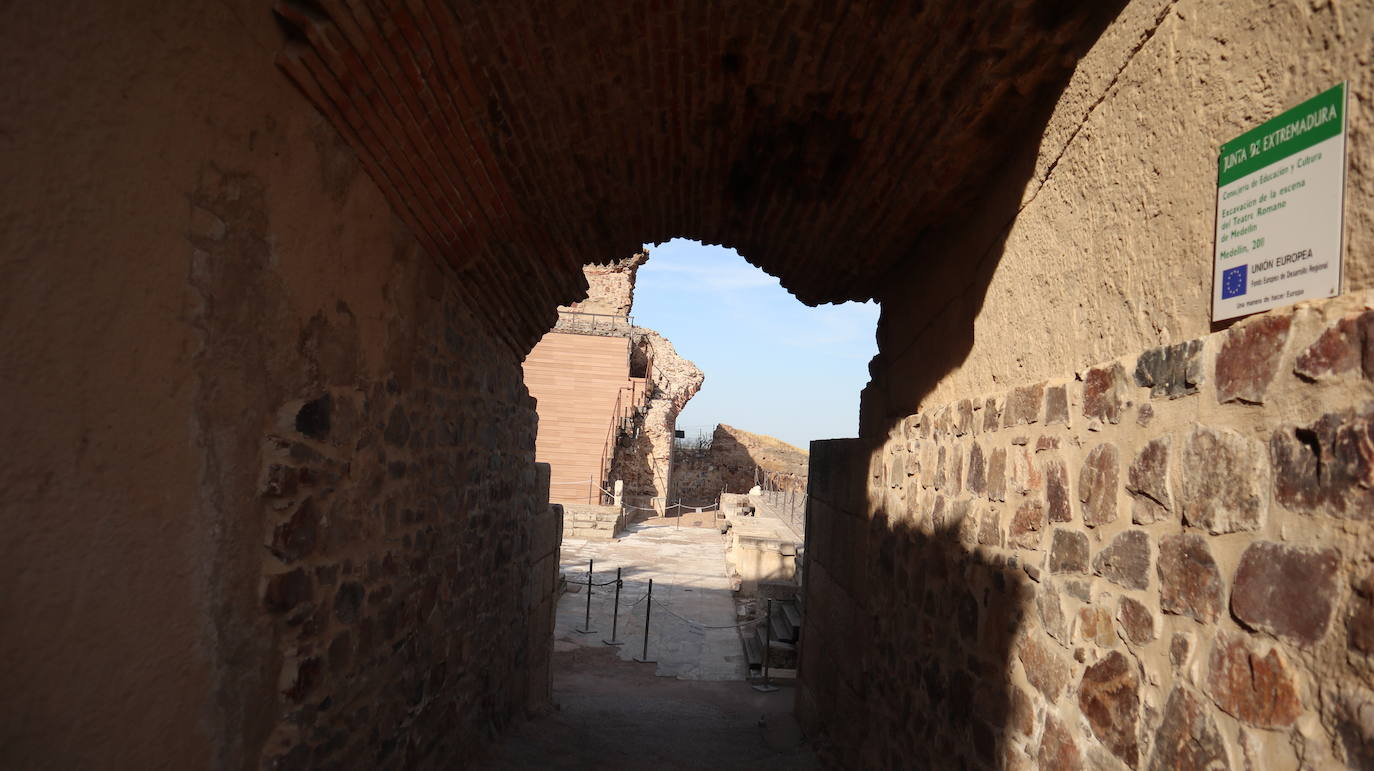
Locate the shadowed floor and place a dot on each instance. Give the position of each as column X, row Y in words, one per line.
column 614, row 714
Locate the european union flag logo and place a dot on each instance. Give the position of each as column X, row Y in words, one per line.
column 1233, row 281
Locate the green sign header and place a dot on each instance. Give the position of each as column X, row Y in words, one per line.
column 1319, row 118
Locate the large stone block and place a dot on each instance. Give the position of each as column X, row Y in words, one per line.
column 284, row 591
column 1097, row 485
column 1172, row 370
column 1023, row 405
column 1327, row 467
column 1027, row 525
column 992, row 415
column 1045, row 668
column 963, row 417
column 1285, row 590
column 997, row 474
column 1068, row 552
column 1058, row 506
column 1258, row 689
column 990, row 525
column 1190, row 582
column 1126, row 561
column 977, row 470
column 1223, row 481
column 1057, row 405
column 1345, row 347
column 1187, row 738
column 1136, row 620
column 1104, row 393
column 1148, row 477
column 1109, row 697
column 1057, row 748
column 1095, row 626
column 1051, row 613
column 954, row 479
column 1249, row 359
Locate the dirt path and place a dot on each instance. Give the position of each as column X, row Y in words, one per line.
column 615, row 714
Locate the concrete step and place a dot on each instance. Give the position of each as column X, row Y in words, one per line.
column 782, row 630
column 793, row 616
column 753, row 652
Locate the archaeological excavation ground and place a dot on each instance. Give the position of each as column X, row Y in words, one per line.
column 273, row 271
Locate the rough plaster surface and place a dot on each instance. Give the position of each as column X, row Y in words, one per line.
column 1106, row 246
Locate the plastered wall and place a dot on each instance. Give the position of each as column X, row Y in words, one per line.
column 1096, row 239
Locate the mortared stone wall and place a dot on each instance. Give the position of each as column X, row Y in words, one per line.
column 1162, row 561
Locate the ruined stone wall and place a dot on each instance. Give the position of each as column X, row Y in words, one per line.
column 1163, row 561
column 730, row 462
column 410, row 556
column 208, row 563
column 610, row 286
column 645, row 464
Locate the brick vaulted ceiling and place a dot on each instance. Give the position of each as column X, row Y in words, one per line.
column 823, row 140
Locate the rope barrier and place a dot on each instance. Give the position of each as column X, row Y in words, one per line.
column 581, row 581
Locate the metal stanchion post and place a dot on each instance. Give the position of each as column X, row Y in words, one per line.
column 587, row 620
column 643, row 658
column 615, row 612
column 765, row 686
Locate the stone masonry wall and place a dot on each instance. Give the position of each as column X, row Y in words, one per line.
column 730, row 463
column 409, row 558
column 645, row 463
column 610, row 286
column 591, row 521
column 1163, row 561
column 268, row 486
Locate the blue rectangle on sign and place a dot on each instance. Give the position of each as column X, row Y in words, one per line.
column 1233, row 281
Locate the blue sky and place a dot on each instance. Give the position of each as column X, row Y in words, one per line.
column 773, row 365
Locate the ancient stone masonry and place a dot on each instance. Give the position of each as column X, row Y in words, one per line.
column 1178, row 574
column 271, row 269
column 409, row 559
column 644, row 459
column 732, row 462
column 610, row 287
column 634, row 436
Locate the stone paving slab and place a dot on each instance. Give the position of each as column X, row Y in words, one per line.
column 688, row 568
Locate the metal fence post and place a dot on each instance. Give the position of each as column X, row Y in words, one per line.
column 615, row 613
column 587, row 620
column 643, row 658
column 767, row 687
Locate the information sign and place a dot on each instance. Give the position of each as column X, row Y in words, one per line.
column 1280, row 196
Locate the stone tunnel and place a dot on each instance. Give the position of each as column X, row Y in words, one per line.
column 269, row 489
